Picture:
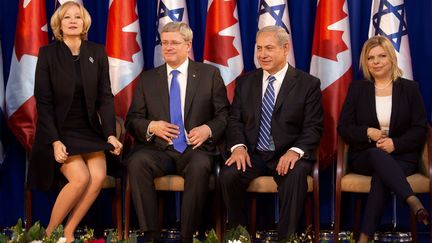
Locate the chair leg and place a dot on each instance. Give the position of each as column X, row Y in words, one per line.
column 161, row 211
column 217, row 215
column 118, row 208
column 413, row 227
column 336, row 228
column 127, row 209
column 357, row 216
column 316, row 213
column 28, row 209
column 252, row 227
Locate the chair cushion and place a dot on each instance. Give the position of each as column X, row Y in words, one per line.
column 419, row 183
column 356, row 183
column 360, row 183
column 176, row 183
column 266, row 184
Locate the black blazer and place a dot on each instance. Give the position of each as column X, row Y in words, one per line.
column 54, row 91
column 408, row 123
column 297, row 119
column 205, row 103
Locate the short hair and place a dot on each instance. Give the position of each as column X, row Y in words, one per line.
column 280, row 32
column 58, row 15
column 184, row 30
column 388, row 47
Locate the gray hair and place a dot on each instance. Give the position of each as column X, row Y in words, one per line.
column 184, row 30
column 280, row 32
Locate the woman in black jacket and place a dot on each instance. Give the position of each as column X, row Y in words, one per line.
column 76, row 121
column 384, row 122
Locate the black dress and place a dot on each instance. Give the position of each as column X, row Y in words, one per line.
column 77, row 134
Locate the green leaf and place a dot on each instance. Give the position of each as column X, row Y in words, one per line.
column 211, row 237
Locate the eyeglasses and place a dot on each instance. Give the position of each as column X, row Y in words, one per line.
column 172, row 43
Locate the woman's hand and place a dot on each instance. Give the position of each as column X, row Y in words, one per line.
column 116, row 144
column 60, row 153
column 374, row 134
column 386, row 144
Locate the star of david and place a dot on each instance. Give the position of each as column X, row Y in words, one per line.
column 397, row 11
column 276, row 11
column 175, row 15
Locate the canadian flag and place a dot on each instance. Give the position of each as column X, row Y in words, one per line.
column 275, row 12
column 63, row 1
column 169, row 11
column 31, row 33
column 222, row 46
column 388, row 19
column 332, row 63
column 124, row 49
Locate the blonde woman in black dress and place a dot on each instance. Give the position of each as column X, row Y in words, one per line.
column 76, row 122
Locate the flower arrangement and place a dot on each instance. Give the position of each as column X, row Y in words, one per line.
column 36, row 234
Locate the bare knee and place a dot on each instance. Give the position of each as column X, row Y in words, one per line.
column 80, row 182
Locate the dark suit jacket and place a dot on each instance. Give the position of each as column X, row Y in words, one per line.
column 297, row 119
column 205, row 103
column 407, row 123
column 54, row 91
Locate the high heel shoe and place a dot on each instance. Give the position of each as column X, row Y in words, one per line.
column 422, row 216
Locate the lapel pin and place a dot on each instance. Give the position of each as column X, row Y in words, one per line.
column 194, row 75
column 91, row 59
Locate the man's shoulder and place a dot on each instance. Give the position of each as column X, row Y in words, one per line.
column 203, row 66
column 302, row 75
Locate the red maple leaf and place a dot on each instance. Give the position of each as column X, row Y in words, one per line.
column 29, row 35
column 120, row 44
column 218, row 48
column 328, row 43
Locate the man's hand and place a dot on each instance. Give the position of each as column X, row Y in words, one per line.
column 199, row 135
column 164, row 130
column 241, row 157
column 386, row 144
column 60, row 153
column 287, row 162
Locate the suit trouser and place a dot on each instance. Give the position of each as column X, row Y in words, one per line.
column 146, row 164
column 292, row 189
column 388, row 175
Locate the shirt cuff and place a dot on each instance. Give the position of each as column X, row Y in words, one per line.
column 297, row 150
column 149, row 135
column 238, row 145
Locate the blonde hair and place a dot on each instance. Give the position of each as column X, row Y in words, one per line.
column 59, row 14
column 184, row 30
column 388, row 47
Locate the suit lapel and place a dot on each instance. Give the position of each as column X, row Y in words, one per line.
column 162, row 86
column 256, row 90
column 396, row 92
column 287, row 85
column 85, row 66
column 191, row 87
column 372, row 105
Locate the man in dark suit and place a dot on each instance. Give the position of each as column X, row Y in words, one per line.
column 274, row 129
column 178, row 114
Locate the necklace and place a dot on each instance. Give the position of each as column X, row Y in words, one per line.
column 385, row 86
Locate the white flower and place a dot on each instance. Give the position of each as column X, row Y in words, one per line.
column 36, row 241
column 234, row 241
column 62, row 240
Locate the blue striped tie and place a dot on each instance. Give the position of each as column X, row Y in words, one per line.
column 265, row 140
column 179, row 143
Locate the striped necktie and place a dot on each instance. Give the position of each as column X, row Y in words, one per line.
column 265, row 140
column 180, row 142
